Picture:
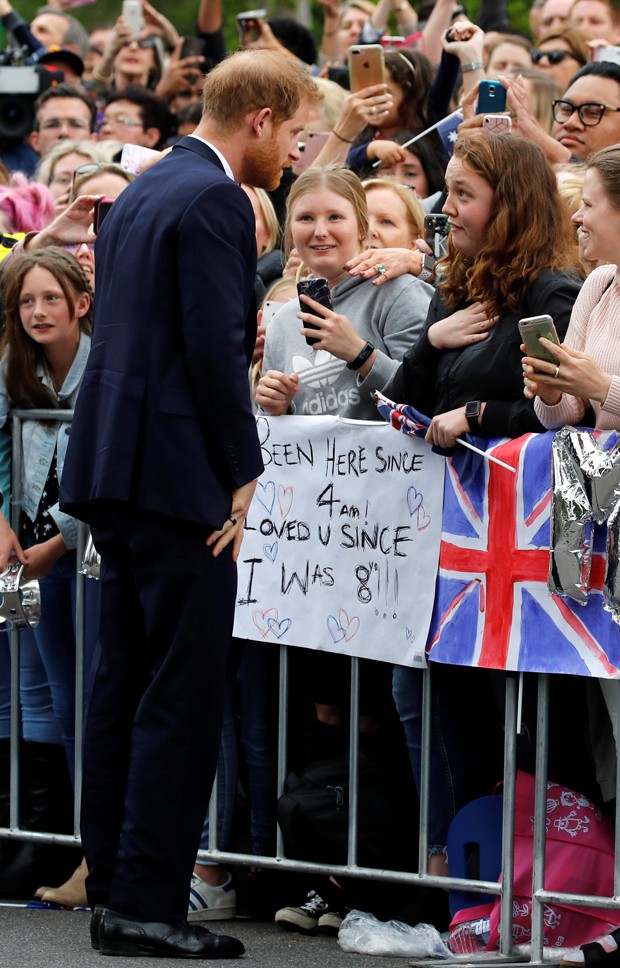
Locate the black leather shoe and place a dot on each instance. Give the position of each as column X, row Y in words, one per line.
column 95, row 925
column 121, row 935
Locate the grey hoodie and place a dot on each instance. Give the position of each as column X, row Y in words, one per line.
column 390, row 316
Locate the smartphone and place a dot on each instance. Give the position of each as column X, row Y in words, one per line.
column 132, row 13
column 436, row 231
column 340, row 75
column 314, row 141
column 531, row 329
column 491, row 98
column 133, row 157
column 248, row 24
column 607, row 54
column 366, row 66
column 192, row 47
column 270, row 308
column 102, row 207
column 319, row 290
column 497, row 124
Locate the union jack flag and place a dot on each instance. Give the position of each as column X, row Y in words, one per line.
column 492, row 605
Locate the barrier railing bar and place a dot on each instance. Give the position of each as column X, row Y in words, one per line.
column 540, row 819
column 424, row 795
column 354, row 749
column 508, row 814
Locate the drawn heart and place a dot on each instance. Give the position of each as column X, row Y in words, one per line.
column 271, row 551
column 266, row 494
column 261, row 620
column 279, row 628
column 423, row 519
column 414, row 500
column 335, row 629
column 343, row 627
column 350, row 625
column 408, row 634
column 285, row 499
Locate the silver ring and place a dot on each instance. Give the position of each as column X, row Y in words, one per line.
column 232, row 520
column 380, row 269
column 373, row 110
column 557, row 373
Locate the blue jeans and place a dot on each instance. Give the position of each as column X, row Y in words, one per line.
column 38, row 724
column 55, row 638
column 448, row 775
column 255, row 687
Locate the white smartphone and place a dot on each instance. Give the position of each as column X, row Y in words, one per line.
column 133, row 157
column 497, row 123
column 132, row 13
column 270, row 308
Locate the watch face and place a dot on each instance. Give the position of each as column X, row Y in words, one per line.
column 472, row 409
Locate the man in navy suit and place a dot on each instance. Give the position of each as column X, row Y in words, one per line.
column 162, row 462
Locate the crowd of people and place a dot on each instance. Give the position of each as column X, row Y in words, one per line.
column 335, row 185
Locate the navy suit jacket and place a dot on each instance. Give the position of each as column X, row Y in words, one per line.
column 163, row 420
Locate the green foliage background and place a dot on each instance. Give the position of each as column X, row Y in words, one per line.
column 182, row 13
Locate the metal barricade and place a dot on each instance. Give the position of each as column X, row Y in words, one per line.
column 421, row 877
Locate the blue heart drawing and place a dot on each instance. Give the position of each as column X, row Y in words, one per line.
column 266, row 494
column 335, row 629
column 279, row 628
column 271, row 551
column 408, row 633
column 414, row 500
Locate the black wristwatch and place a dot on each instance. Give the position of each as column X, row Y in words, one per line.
column 472, row 413
column 361, row 358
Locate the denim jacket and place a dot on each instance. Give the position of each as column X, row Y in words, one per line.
column 41, row 439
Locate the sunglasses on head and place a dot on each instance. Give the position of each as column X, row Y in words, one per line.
column 553, row 56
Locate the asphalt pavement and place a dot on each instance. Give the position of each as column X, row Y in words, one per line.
column 32, row 938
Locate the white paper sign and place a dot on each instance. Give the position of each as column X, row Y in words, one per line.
column 342, row 540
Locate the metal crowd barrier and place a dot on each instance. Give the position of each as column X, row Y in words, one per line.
column 421, row 877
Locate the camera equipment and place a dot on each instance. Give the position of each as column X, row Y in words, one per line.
column 20, row 86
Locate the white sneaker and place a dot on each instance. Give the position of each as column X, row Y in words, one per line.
column 208, row 903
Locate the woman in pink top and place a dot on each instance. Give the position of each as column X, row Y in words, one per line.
column 588, row 370
column 588, row 375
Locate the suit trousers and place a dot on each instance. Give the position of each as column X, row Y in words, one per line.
column 154, row 718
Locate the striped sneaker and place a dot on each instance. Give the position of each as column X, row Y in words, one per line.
column 209, row 903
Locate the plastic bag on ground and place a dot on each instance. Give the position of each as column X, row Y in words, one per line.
column 364, row 934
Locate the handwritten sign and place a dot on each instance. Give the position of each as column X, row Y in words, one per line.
column 342, row 540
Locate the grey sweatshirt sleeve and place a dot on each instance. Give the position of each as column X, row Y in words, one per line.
column 401, row 325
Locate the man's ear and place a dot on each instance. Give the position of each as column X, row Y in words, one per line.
column 33, row 138
column 260, row 119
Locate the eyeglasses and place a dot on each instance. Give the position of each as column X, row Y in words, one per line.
column 74, row 247
column 85, row 170
column 120, row 119
column 144, row 42
column 553, row 56
column 590, row 113
column 53, row 124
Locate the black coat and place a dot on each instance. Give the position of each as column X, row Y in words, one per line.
column 438, row 380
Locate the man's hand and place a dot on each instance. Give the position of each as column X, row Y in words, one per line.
column 232, row 529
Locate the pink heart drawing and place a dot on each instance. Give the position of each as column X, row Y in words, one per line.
column 422, row 519
column 343, row 627
column 262, row 619
column 285, row 499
